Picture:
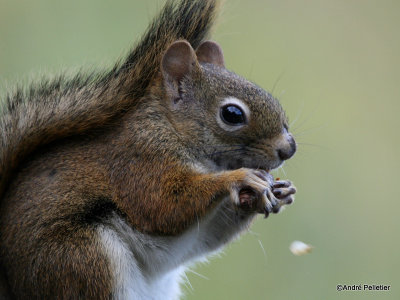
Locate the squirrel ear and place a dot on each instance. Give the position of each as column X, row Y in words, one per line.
column 178, row 60
column 210, row 52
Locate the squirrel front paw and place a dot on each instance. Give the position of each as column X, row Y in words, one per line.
column 283, row 191
column 259, row 192
column 253, row 192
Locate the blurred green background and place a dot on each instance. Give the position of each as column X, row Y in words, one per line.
column 334, row 65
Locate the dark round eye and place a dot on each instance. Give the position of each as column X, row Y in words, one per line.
column 232, row 115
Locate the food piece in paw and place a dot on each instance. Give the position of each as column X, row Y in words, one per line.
column 277, row 193
column 247, row 199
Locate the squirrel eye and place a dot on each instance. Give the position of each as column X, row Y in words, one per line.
column 232, row 115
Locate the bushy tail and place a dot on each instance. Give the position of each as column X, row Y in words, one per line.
column 54, row 110
column 188, row 19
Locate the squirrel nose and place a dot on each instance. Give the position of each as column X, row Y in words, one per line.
column 289, row 149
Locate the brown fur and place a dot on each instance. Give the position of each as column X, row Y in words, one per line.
column 61, row 108
column 40, row 120
column 129, row 143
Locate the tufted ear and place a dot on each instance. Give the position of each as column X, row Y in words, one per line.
column 178, row 61
column 210, row 52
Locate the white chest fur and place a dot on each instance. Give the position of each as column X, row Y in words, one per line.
column 151, row 267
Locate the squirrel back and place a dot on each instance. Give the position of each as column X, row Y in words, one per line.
column 60, row 108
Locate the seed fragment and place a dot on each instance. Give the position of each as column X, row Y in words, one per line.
column 299, row 248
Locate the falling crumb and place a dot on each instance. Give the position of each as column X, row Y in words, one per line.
column 299, row 248
column 277, row 178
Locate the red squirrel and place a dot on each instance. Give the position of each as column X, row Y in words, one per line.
column 111, row 184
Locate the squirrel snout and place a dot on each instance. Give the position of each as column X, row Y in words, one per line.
column 287, row 148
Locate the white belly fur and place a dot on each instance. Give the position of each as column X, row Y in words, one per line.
column 151, row 267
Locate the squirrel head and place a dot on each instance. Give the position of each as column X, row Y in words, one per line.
column 219, row 115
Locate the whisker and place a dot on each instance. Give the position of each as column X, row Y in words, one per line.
column 224, row 145
column 276, row 82
column 262, row 248
column 187, row 281
column 308, row 130
column 212, row 148
column 201, row 276
column 253, row 233
column 226, row 218
column 311, row 113
column 225, row 148
column 314, row 145
column 298, row 114
column 223, row 152
column 250, row 75
column 283, row 171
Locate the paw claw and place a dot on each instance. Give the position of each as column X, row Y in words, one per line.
column 257, row 192
column 276, row 209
